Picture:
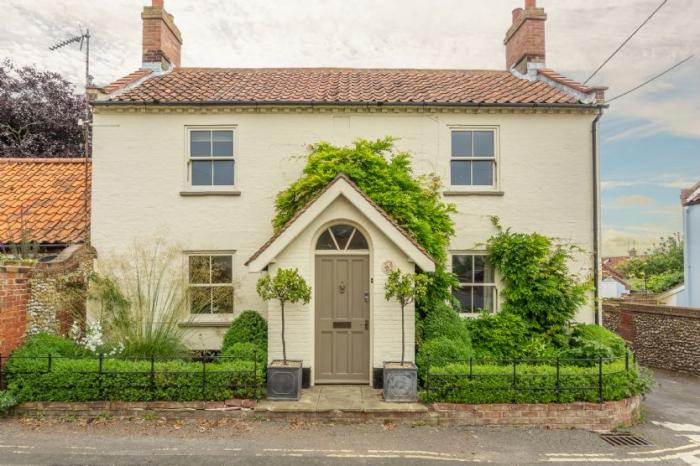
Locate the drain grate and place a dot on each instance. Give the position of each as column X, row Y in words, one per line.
column 625, row 440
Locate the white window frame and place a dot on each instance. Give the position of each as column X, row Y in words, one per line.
column 494, row 186
column 189, row 159
column 189, row 285
column 493, row 285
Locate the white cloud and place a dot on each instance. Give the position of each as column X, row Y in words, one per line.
column 390, row 33
column 634, row 200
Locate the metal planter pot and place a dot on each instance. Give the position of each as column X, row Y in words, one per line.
column 400, row 382
column 284, row 381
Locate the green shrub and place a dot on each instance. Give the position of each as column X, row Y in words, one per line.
column 43, row 344
column 443, row 321
column 249, row 327
column 498, row 336
column 7, row 401
column 534, row 383
column 130, row 380
column 590, row 342
column 246, row 351
column 441, row 351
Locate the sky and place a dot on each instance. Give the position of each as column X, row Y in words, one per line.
column 650, row 140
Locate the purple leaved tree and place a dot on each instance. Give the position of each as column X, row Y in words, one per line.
column 39, row 113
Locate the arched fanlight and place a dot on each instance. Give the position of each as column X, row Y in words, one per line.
column 341, row 237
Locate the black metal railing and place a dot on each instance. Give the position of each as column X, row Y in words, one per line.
column 158, row 378
column 438, row 382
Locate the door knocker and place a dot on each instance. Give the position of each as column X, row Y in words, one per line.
column 341, row 287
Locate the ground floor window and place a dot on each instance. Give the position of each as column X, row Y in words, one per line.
column 477, row 288
column 210, row 283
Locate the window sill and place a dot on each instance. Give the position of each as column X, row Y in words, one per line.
column 194, row 193
column 484, row 192
column 205, row 324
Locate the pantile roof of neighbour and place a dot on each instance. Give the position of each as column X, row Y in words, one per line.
column 691, row 196
column 346, row 86
column 43, row 197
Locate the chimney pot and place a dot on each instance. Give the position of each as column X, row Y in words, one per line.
column 516, row 14
column 525, row 38
column 162, row 40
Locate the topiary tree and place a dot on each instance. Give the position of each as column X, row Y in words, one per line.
column 287, row 286
column 405, row 288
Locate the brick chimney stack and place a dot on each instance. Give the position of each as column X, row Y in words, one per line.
column 525, row 38
column 161, row 38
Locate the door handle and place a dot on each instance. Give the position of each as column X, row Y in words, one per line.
column 366, row 296
column 366, row 324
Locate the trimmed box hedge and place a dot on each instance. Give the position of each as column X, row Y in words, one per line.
column 89, row 379
column 461, row 382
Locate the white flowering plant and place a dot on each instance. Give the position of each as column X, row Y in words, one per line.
column 91, row 338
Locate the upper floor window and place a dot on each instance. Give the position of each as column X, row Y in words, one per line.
column 473, row 157
column 211, row 157
column 210, row 283
column 477, row 288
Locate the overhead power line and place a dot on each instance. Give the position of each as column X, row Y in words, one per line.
column 625, row 41
column 650, row 80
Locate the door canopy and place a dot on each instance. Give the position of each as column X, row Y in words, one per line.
column 341, row 237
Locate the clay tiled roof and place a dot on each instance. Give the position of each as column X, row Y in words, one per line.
column 45, row 197
column 345, row 86
column 126, row 80
column 340, row 176
column 691, row 196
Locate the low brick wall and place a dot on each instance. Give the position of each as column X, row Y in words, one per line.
column 666, row 337
column 589, row 416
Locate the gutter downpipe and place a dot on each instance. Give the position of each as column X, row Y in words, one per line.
column 596, row 219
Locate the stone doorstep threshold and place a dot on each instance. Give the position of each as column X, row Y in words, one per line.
column 587, row 416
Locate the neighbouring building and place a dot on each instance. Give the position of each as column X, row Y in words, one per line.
column 613, row 283
column 690, row 200
column 43, row 205
column 201, row 153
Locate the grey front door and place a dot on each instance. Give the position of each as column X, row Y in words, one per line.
column 342, row 319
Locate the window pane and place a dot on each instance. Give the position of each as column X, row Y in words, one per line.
column 358, row 241
column 478, row 269
column 464, row 296
column 489, row 275
column 222, row 143
column 200, row 300
column 201, row 173
column 461, row 173
column 222, row 300
column 325, row 242
column 483, row 173
column 221, row 269
column 462, row 267
column 461, row 143
column 223, row 172
column 342, row 234
column 489, row 298
column 199, row 269
column 483, row 144
column 478, row 298
column 200, row 143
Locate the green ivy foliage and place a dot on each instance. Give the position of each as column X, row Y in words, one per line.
column 386, row 176
column 538, row 285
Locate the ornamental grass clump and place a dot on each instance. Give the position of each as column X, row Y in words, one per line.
column 286, row 286
column 142, row 299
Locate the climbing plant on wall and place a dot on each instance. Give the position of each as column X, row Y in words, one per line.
column 385, row 175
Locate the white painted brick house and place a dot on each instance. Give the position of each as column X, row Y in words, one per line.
column 201, row 153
